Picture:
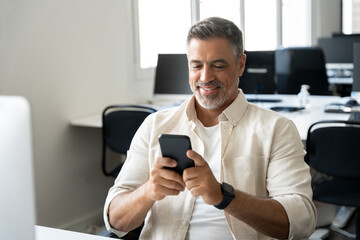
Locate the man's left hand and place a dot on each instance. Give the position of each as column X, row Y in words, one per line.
column 201, row 181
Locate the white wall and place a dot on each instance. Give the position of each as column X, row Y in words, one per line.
column 70, row 58
column 326, row 18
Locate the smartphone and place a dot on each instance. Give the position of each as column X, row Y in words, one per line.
column 175, row 147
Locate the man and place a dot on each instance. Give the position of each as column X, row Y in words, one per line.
column 250, row 180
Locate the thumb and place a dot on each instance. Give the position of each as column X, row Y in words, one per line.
column 199, row 161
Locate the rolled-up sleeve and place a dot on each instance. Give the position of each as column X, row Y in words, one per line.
column 301, row 214
column 289, row 181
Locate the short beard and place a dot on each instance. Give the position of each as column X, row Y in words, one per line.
column 215, row 101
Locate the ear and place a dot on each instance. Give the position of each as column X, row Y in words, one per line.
column 241, row 64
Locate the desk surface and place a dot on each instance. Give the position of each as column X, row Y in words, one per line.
column 302, row 119
column 45, row 233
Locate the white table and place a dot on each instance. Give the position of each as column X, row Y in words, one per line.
column 93, row 121
column 47, row 233
column 302, row 119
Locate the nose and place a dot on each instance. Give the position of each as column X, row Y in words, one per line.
column 207, row 74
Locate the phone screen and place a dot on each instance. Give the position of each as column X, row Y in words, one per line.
column 175, row 147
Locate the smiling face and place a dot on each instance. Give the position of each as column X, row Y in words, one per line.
column 214, row 72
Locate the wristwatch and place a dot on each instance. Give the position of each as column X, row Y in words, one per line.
column 229, row 194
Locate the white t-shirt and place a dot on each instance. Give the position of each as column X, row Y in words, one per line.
column 208, row 222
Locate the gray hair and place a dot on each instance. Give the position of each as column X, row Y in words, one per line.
column 214, row 27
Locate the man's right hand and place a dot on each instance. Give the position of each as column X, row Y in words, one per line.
column 164, row 182
column 128, row 209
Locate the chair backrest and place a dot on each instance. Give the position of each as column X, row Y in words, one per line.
column 296, row 66
column 259, row 74
column 333, row 148
column 120, row 123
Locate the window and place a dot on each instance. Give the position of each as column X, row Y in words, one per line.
column 296, row 19
column 347, row 16
column 260, row 25
column 229, row 9
column 163, row 27
column 351, row 16
column 267, row 24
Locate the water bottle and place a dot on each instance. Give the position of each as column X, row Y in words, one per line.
column 304, row 96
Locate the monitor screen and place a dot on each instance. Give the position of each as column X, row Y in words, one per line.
column 338, row 49
column 172, row 75
column 356, row 74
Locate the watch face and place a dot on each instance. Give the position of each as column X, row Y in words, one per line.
column 228, row 189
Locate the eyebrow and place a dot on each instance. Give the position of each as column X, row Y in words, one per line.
column 220, row 60
column 195, row 61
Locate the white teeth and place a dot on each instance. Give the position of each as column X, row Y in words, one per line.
column 208, row 89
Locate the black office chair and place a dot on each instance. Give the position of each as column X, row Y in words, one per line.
column 296, row 66
column 259, row 74
column 120, row 123
column 333, row 150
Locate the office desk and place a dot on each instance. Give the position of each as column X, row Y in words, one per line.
column 302, row 119
column 93, row 121
column 46, row 233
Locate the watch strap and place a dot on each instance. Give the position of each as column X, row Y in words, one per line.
column 228, row 192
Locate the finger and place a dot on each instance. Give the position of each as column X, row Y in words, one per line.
column 195, row 191
column 167, row 191
column 162, row 162
column 192, row 173
column 190, row 184
column 158, row 192
column 157, row 180
column 199, row 161
column 169, row 184
column 171, row 177
column 166, row 174
column 194, row 186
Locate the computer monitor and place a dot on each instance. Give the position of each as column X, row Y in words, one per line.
column 338, row 49
column 17, row 204
column 355, row 92
column 338, row 53
column 172, row 76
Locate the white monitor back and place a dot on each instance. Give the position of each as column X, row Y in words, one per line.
column 17, row 202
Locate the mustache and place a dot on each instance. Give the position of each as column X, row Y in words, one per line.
column 213, row 83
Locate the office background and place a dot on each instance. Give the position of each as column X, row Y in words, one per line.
column 71, row 58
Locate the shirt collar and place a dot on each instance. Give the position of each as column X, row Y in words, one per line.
column 232, row 113
column 236, row 110
column 190, row 110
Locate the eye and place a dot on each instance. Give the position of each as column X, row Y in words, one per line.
column 196, row 66
column 219, row 66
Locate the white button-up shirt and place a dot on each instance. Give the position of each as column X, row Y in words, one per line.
column 261, row 154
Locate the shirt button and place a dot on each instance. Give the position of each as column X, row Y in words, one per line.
column 185, row 223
